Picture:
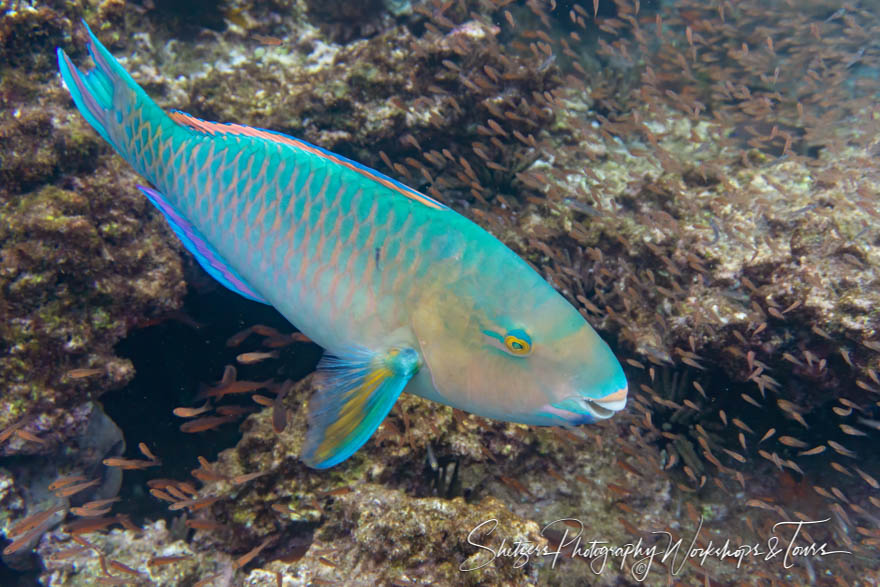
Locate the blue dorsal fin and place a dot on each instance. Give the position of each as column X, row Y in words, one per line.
column 355, row 393
column 201, row 249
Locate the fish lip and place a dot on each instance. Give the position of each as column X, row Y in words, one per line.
column 579, row 409
column 597, row 410
column 604, row 408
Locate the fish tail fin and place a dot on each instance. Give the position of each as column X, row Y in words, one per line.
column 109, row 98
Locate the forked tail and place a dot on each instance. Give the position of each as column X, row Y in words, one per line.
column 113, row 103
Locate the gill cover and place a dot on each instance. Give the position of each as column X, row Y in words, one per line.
column 465, row 369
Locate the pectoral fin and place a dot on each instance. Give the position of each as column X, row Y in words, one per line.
column 355, row 393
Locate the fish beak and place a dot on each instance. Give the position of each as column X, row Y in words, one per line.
column 580, row 409
column 614, row 401
column 605, row 407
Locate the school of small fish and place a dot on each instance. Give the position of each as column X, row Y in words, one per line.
column 770, row 454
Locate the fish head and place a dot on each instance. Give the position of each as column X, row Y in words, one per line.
column 515, row 349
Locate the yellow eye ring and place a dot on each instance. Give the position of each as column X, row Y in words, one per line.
column 517, row 345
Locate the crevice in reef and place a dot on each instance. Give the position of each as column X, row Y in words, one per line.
column 174, row 356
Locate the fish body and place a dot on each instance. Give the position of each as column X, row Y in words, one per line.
column 402, row 292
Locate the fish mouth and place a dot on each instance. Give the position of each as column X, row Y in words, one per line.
column 579, row 409
column 597, row 411
column 607, row 406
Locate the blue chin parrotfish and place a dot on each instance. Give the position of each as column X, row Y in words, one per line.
column 404, row 293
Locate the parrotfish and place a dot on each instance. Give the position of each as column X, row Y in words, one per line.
column 402, row 292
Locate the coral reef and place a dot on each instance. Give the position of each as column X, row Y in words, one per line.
column 700, row 180
column 30, row 489
column 152, row 553
column 81, row 258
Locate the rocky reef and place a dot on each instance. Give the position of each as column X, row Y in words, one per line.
column 82, row 258
column 699, row 180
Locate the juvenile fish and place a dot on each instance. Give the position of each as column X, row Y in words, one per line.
column 158, row 561
column 65, row 481
column 207, row 423
column 234, row 410
column 70, row 490
column 32, row 521
column 257, row 357
column 234, row 387
column 129, row 463
column 191, row 412
column 83, row 373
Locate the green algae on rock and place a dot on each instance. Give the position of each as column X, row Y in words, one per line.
column 80, row 260
column 155, row 554
column 356, row 521
column 79, row 269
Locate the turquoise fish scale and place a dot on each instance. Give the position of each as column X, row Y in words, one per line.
column 292, row 243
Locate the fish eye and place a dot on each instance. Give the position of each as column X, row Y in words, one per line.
column 518, row 343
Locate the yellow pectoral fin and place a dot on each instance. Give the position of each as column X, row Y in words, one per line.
column 355, row 394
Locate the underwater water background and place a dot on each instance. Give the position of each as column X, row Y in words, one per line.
column 699, row 178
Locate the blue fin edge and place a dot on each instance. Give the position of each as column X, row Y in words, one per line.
column 343, row 379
